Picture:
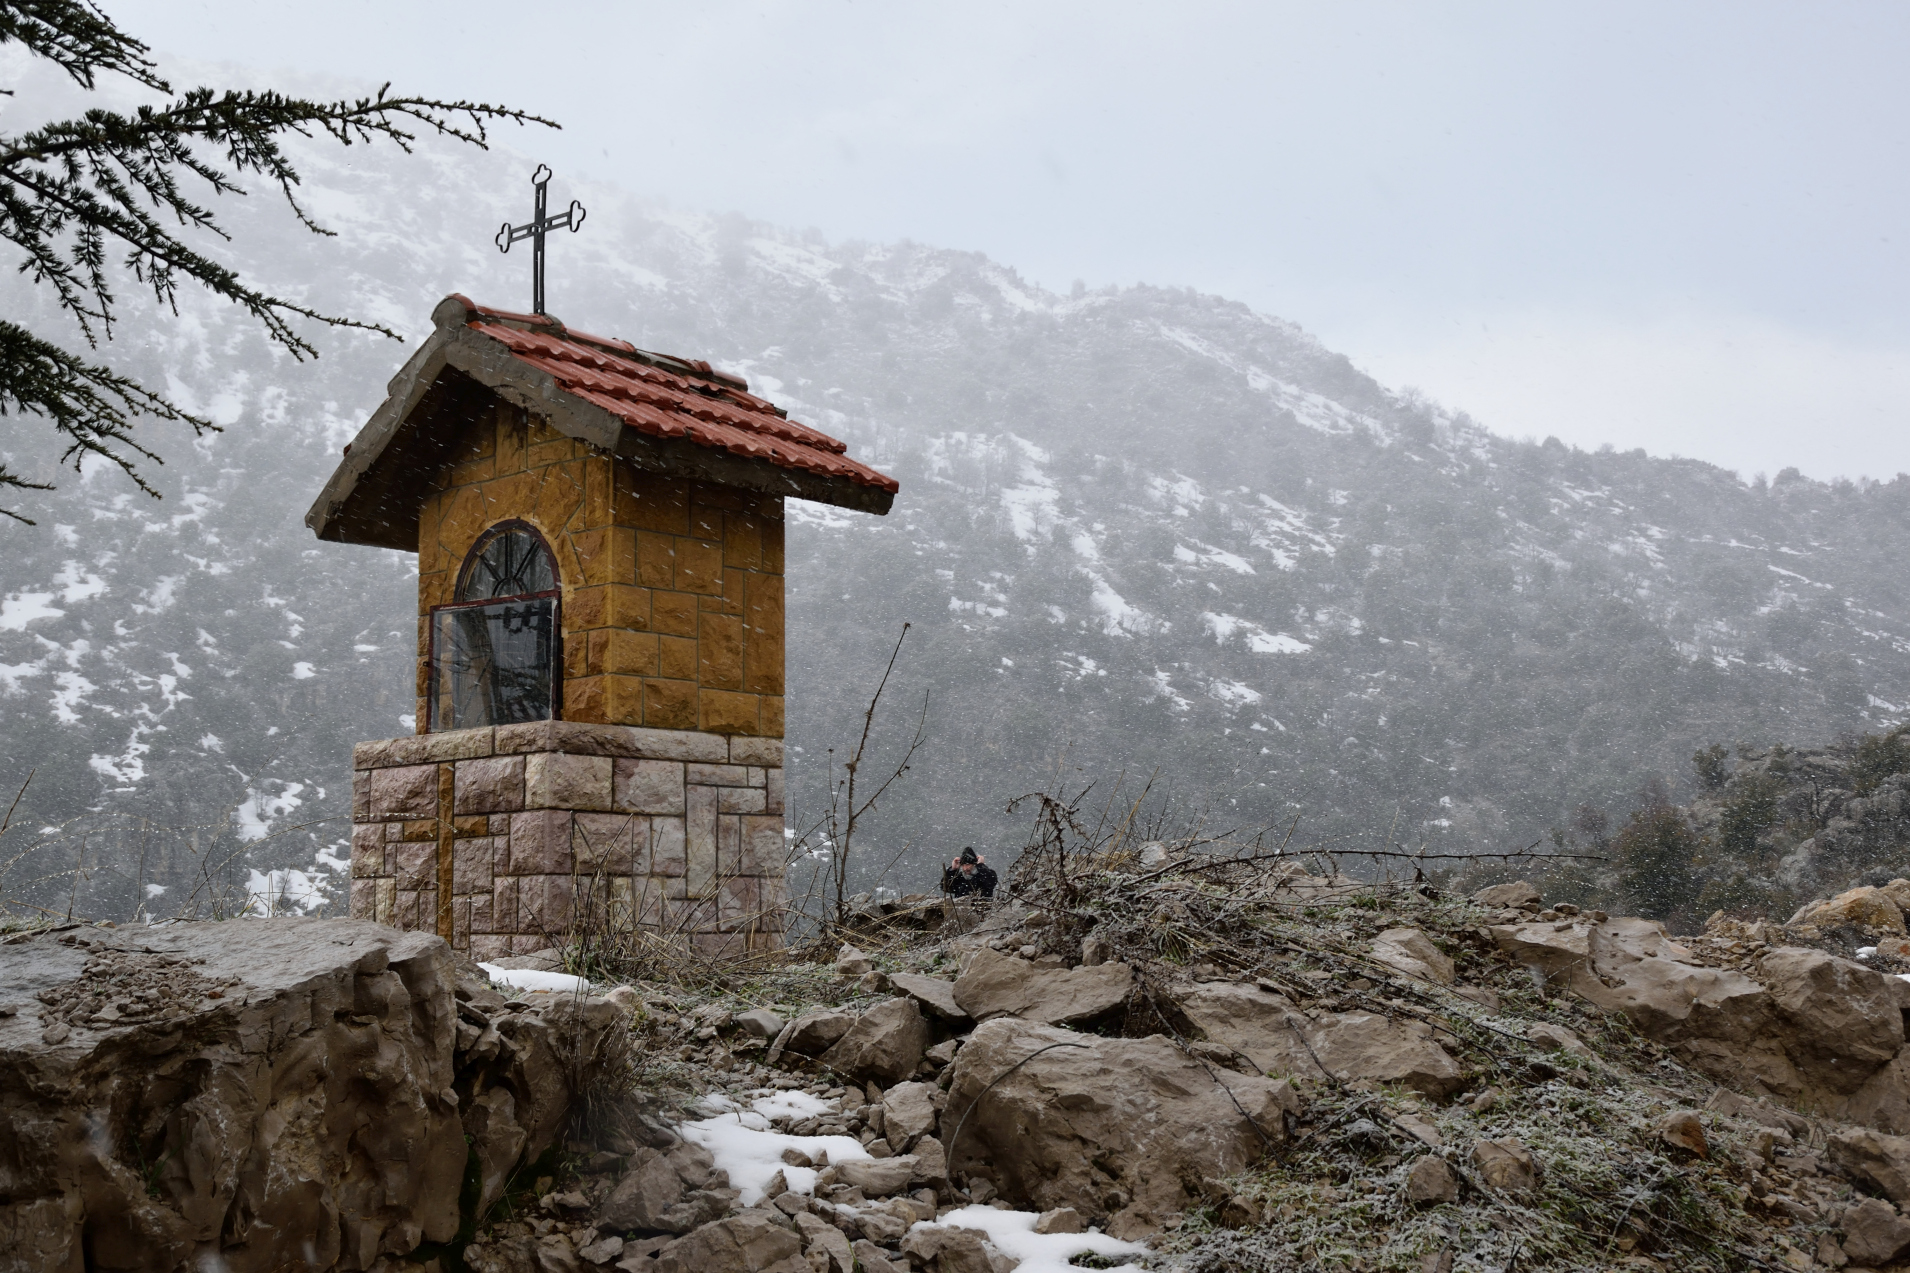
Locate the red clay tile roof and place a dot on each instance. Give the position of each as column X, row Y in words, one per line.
column 668, row 397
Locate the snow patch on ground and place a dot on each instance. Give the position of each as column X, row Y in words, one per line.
column 744, row 1145
column 534, row 980
column 1013, row 1232
column 1259, row 640
column 22, row 608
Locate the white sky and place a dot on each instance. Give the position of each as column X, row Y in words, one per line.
column 1672, row 225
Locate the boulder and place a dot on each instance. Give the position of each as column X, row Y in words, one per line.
column 997, row 985
column 1865, row 907
column 946, row 1249
column 1410, row 951
column 878, row 1177
column 884, row 1045
column 1683, row 1129
column 1431, row 1182
column 873, row 1259
column 1262, row 1026
column 761, row 1022
column 1279, row 1039
column 908, row 1111
column 1881, row 1159
column 1843, row 1017
column 1517, row 895
column 1506, row 1166
column 747, row 1242
column 933, row 993
column 851, row 962
column 931, row 1163
column 1556, row 1038
column 825, row 1246
column 313, row 1096
column 1898, row 891
column 647, row 1191
column 814, row 1034
column 1076, row 1123
column 1365, row 1045
column 1060, row 1220
column 1874, row 1234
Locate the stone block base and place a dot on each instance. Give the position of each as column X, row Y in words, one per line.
column 513, row 838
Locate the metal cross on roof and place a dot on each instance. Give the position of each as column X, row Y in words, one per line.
column 571, row 219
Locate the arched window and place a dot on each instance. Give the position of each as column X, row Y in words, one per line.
column 494, row 649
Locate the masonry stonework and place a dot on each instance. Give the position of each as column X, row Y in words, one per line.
column 503, row 840
column 672, row 605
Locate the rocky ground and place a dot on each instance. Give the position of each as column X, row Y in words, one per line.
column 1244, row 1070
column 1148, row 1061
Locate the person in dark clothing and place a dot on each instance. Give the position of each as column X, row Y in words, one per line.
column 968, row 875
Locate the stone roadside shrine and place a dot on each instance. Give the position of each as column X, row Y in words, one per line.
column 599, row 533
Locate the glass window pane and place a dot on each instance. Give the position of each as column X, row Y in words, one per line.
column 493, row 665
column 510, row 564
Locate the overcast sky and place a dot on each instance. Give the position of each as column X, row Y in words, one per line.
column 1676, row 226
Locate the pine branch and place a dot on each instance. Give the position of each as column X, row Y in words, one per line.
column 79, row 38
column 90, row 199
column 92, row 405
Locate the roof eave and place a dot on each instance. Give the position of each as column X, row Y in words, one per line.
column 337, row 514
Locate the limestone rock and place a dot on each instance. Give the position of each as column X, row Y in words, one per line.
column 931, row 1163
column 1556, row 1038
column 1431, row 1182
column 872, row 1259
column 997, row 985
column 602, row 1251
column 1844, row 1018
column 942, row 1249
column 1411, row 952
column 315, row 1096
column 1365, row 1045
column 1517, row 894
column 826, row 1246
column 814, row 1034
column 851, row 962
column 747, row 1242
column 1060, row 1220
column 648, row 1189
column 1053, row 1132
column 884, row 1044
column 878, row 1177
column 761, row 1022
column 1506, row 1166
column 1882, row 1160
column 1279, row 1039
column 908, row 1111
column 1263, row 1026
column 1898, row 891
column 1419, row 1129
column 1865, row 907
column 1874, row 1234
column 933, row 993
column 1682, row 1129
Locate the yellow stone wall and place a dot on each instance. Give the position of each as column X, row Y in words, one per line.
column 672, row 613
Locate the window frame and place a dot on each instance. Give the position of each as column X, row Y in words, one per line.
column 554, row 594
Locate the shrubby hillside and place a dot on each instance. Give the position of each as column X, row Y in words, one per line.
column 1141, row 531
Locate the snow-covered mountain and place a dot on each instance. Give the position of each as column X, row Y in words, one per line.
column 1141, row 530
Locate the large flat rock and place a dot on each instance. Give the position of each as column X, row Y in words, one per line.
column 246, row 1095
column 1074, row 1120
column 998, row 985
